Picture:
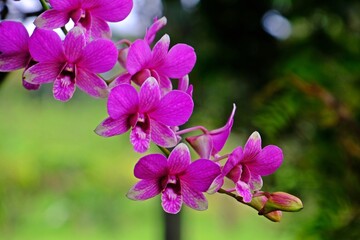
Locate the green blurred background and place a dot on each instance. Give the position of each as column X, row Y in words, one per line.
column 292, row 69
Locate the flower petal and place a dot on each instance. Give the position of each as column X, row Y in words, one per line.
column 11, row 62
column 179, row 159
column 30, row 86
column 160, row 51
column 149, row 95
column 175, row 109
column 91, row 83
column 74, row 43
column 162, row 135
column 139, row 56
column 267, row 162
column 111, row 127
column 171, row 201
column 244, row 191
column 144, row 189
column 255, row 182
column 63, row 88
column 219, row 136
column 179, row 62
column 153, row 29
column 202, row 144
column 52, row 18
column 99, row 28
column 42, row 73
column 13, row 37
column 216, row 184
column 234, row 159
column 99, row 56
column 46, row 46
column 65, row 4
column 151, row 166
column 123, row 100
column 194, row 199
column 200, row 174
column 112, row 11
column 252, row 147
column 140, row 139
column 124, row 78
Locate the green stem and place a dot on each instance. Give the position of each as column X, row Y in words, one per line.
column 164, row 150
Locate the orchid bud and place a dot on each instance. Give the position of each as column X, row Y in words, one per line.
column 258, row 203
column 281, row 201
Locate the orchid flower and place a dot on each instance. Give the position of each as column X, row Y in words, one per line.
column 245, row 167
column 70, row 63
column 14, row 49
column 92, row 15
column 149, row 115
column 176, row 178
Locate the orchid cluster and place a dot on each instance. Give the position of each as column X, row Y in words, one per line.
column 151, row 98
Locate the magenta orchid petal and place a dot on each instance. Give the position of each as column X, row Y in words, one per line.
column 139, row 56
column 13, row 37
column 63, row 88
column 267, row 161
column 154, row 28
column 100, row 28
column 220, row 136
column 11, row 62
column 171, row 201
column 252, row 146
column 144, row 189
column 235, row 174
column 52, row 19
column 200, row 174
column 46, row 46
column 151, row 166
column 160, row 51
column 175, row 109
column 179, row 159
column 74, row 43
column 192, row 198
column 216, row 184
column 255, row 182
column 233, row 160
column 140, row 139
column 124, row 78
column 30, row 86
column 149, row 95
column 123, row 100
column 65, row 4
column 42, row 73
column 111, row 127
column 98, row 56
column 112, row 11
column 202, row 144
column 165, row 85
column 91, row 83
column 244, row 191
column 162, row 135
column 179, row 62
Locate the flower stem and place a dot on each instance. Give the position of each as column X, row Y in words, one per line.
column 201, row 128
column 164, row 150
column 217, row 159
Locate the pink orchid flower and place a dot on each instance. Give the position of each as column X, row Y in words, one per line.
column 160, row 63
column 70, row 63
column 149, row 115
column 154, row 28
column 14, row 49
column 176, row 178
column 245, row 167
column 92, row 15
column 211, row 142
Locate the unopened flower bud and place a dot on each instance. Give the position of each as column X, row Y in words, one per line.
column 281, row 201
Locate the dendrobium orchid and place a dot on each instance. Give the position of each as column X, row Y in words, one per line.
column 92, row 15
column 14, row 49
column 176, row 178
column 246, row 166
column 211, row 142
column 160, row 63
column 70, row 63
column 149, row 115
